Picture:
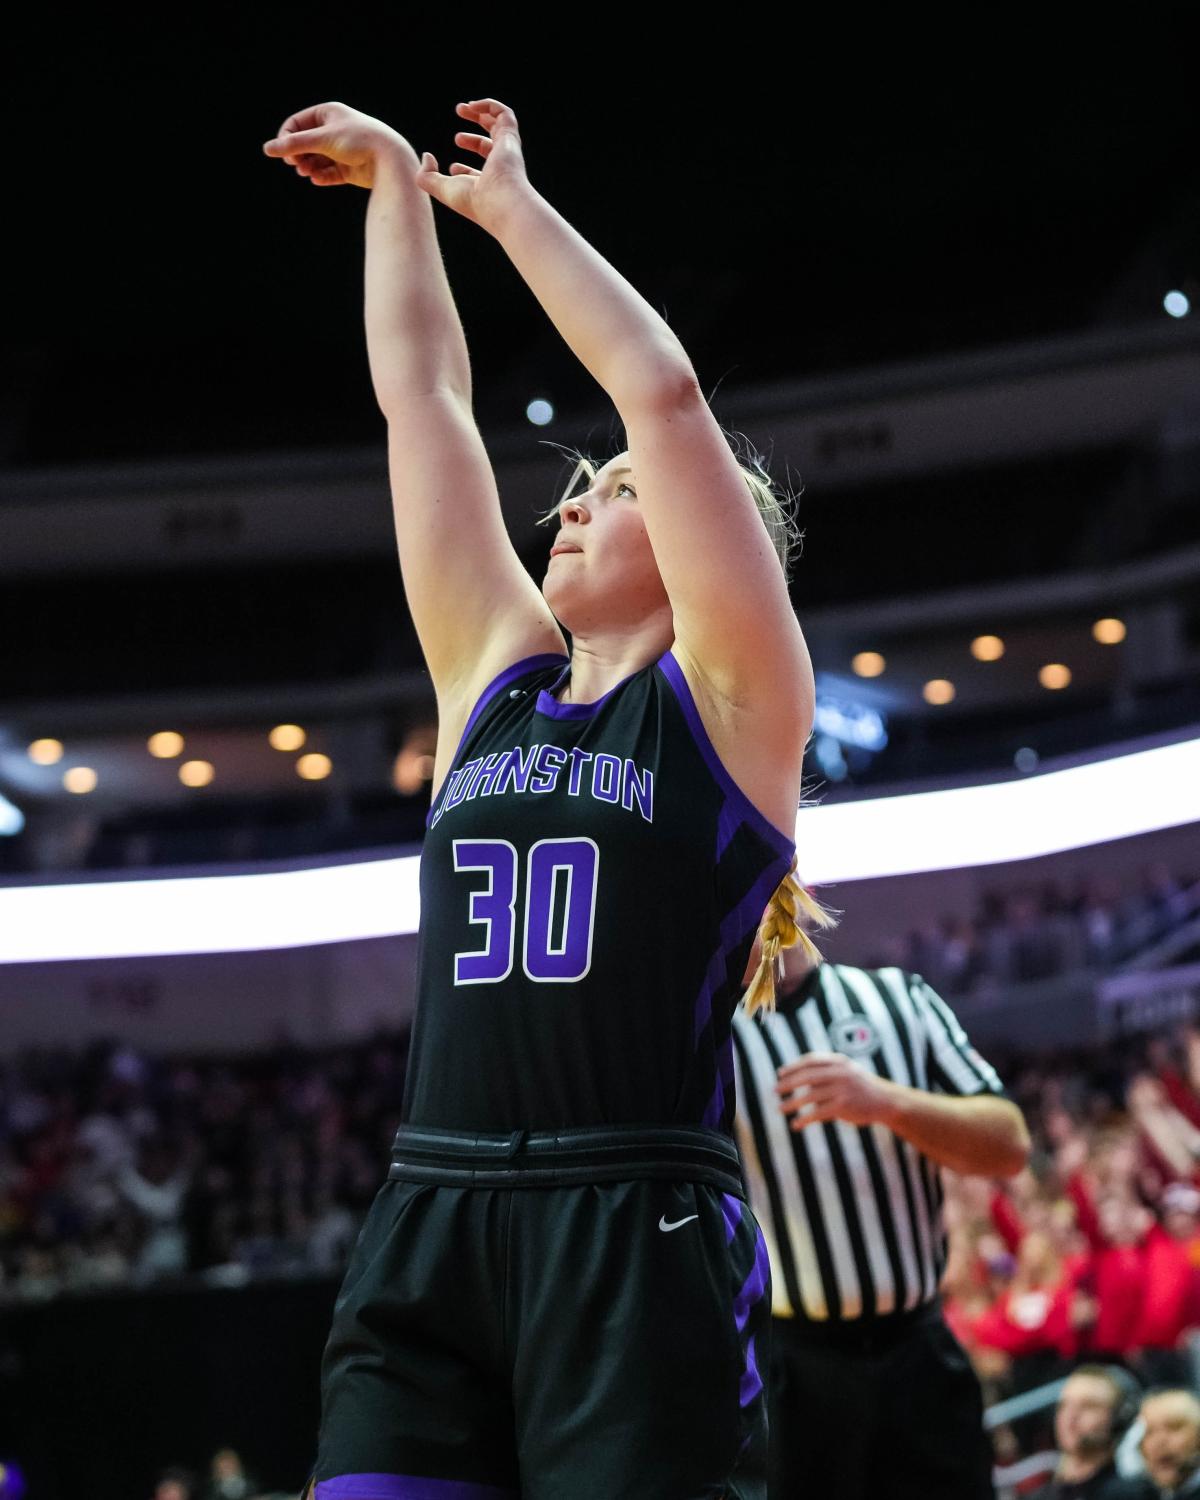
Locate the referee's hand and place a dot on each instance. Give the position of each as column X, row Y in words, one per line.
column 831, row 1086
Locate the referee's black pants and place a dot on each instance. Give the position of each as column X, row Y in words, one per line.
column 888, row 1409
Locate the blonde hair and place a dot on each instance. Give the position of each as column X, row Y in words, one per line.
column 781, row 928
column 776, row 506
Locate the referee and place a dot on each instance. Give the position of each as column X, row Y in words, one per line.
column 851, row 1095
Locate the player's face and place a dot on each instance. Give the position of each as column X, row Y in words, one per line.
column 613, row 579
column 1171, row 1444
column 1084, row 1417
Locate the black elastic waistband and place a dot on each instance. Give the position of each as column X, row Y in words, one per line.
column 865, row 1335
column 565, row 1158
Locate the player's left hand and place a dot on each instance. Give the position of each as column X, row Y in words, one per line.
column 831, row 1086
column 483, row 194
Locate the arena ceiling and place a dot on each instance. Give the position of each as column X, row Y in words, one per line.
column 797, row 204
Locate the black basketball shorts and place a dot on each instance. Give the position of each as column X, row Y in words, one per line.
column 581, row 1316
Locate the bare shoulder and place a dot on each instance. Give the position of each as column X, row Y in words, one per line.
column 758, row 737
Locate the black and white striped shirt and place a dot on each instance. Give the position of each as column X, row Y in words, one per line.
column 851, row 1213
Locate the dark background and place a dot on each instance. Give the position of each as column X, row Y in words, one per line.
column 797, row 202
column 101, row 1395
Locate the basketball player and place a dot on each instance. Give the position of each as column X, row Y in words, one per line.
column 560, row 1290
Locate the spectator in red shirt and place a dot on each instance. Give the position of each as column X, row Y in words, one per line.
column 1171, row 1290
column 1034, row 1315
column 1113, row 1276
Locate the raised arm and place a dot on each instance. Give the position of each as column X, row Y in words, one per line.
column 475, row 608
column 729, row 598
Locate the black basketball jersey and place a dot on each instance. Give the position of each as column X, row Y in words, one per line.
column 591, row 882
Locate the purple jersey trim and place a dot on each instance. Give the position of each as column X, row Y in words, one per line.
column 731, row 1212
column 752, row 1291
column 750, row 1386
column 405, row 1487
column 510, row 674
column 754, row 1286
column 744, row 918
column 750, row 814
column 547, row 704
column 728, row 823
column 714, row 1115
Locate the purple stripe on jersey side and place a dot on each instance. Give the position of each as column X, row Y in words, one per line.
column 518, row 669
column 752, row 1290
column 754, row 1285
column 782, row 842
column 715, row 1108
column 748, row 913
column 744, row 917
column 751, row 1382
column 405, row 1487
column 728, row 823
column 725, row 1061
column 714, row 976
column 716, row 1105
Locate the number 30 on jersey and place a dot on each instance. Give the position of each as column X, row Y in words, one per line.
column 557, row 913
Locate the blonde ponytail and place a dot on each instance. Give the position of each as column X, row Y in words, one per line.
column 781, row 928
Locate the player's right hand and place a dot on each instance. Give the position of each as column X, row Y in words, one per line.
column 333, row 145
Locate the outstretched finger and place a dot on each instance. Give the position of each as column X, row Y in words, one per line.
column 481, row 144
column 295, row 143
column 489, row 113
column 460, row 169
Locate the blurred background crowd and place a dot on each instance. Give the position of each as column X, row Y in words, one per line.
column 1039, row 931
column 1094, row 1251
column 118, row 1168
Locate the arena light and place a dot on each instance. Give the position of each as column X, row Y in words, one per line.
column 287, row 737
column 197, row 773
column 1023, row 818
column 1177, row 304
column 987, row 648
column 1109, row 632
column 45, row 752
column 866, row 839
column 540, row 412
column 1055, row 676
column 209, row 913
column 848, row 721
column 868, row 664
column 165, row 745
column 12, row 819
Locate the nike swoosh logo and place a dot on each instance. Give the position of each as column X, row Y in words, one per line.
column 678, row 1224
